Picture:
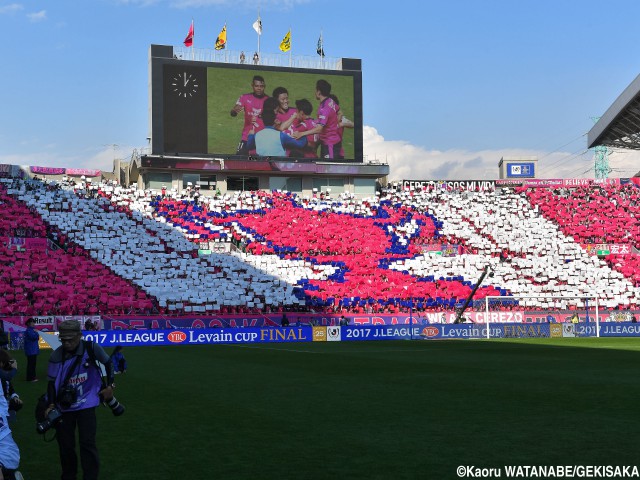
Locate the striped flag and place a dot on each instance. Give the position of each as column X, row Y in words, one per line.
column 319, row 49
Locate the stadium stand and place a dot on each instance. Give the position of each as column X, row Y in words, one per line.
column 38, row 278
column 128, row 250
column 602, row 214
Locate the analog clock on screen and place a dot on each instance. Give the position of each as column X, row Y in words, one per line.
column 184, row 84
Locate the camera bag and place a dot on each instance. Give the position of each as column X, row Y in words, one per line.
column 41, row 406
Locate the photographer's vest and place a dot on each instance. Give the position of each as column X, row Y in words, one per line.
column 83, row 377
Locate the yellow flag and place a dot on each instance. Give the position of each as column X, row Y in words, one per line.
column 221, row 41
column 285, row 44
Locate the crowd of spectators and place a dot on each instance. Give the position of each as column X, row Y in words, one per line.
column 124, row 250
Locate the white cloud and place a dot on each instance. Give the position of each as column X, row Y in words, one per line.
column 407, row 161
column 11, row 8
column 37, row 16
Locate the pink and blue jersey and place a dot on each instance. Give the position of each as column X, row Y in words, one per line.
column 310, row 151
column 252, row 106
column 328, row 118
column 282, row 117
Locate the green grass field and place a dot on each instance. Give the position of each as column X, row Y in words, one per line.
column 374, row 410
column 225, row 85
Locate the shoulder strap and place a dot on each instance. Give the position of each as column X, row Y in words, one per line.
column 88, row 346
column 71, row 370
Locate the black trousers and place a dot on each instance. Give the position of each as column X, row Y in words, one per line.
column 85, row 420
column 31, row 367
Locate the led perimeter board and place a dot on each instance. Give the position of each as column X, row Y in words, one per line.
column 191, row 103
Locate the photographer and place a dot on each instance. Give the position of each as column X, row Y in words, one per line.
column 75, row 388
column 9, row 452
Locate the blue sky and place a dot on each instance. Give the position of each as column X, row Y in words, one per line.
column 449, row 86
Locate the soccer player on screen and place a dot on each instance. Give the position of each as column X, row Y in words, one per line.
column 327, row 123
column 302, row 122
column 252, row 104
column 284, row 114
column 343, row 122
column 269, row 142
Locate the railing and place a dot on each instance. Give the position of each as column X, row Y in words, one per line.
column 268, row 59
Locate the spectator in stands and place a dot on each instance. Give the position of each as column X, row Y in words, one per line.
column 256, row 58
column 242, row 57
column 31, row 349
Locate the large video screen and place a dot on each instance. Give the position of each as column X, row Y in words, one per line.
column 219, row 109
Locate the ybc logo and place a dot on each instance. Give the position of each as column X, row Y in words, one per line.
column 177, row 337
column 430, row 332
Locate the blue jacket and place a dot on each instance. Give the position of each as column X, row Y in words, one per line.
column 31, row 337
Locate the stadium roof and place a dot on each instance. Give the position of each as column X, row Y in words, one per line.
column 620, row 124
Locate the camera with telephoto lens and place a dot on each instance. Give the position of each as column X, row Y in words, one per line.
column 51, row 420
column 116, row 407
column 67, row 396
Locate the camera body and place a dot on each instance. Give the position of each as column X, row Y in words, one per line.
column 51, row 420
column 67, row 396
column 7, row 367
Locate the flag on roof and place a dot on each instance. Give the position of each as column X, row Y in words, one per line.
column 189, row 40
column 221, row 41
column 285, row 44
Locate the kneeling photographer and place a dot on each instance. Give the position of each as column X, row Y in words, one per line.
column 75, row 389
